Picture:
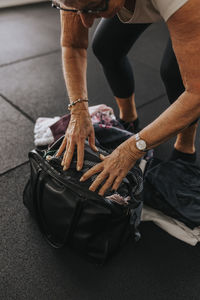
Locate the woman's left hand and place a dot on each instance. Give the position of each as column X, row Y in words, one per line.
column 114, row 167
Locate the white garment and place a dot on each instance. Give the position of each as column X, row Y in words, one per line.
column 150, row 11
column 172, row 226
column 42, row 133
column 142, row 165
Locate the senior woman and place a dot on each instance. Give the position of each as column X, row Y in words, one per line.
column 183, row 20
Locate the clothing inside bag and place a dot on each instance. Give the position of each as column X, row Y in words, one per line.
column 171, row 188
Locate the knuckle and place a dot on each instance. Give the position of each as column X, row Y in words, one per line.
column 82, row 138
column 117, row 181
column 68, row 138
column 73, row 138
column 109, row 182
column 99, row 179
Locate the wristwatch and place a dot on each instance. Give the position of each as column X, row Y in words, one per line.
column 140, row 144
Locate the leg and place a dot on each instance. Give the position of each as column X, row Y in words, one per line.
column 170, row 73
column 111, row 43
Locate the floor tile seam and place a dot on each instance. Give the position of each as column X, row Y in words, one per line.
column 151, row 101
column 27, row 116
column 30, row 58
column 14, row 168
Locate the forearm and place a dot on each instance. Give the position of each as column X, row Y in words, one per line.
column 74, row 70
column 177, row 117
column 184, row 30
column 74, row 42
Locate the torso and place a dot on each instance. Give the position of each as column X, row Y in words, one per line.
column 130, row 5
column 148, row 11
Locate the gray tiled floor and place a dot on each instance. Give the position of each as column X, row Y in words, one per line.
column 28, row 32
column 14, row 127
column 32, row 85
column 36, row 85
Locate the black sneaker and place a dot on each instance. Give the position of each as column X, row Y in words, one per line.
column 130, row 126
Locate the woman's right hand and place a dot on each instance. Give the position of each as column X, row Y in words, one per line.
column 79, row 129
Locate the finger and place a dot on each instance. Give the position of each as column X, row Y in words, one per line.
column 117, row 182
column 62, row 147
column 102, row 157
column 69, row 155
column 65, row 154
column 80, row 155
column 91, row 140
column 107, row 185
column 100, row 178
column 96, row 169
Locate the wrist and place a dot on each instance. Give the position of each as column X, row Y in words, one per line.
column 80, row 111
column 135, row 152
column 78, row 105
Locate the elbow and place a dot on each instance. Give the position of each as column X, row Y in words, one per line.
column 192, row 83
column 192, row 97
column 74, row 41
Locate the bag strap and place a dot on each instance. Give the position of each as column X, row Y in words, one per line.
column 38, row 214
column 43, row 228
column 57, row 144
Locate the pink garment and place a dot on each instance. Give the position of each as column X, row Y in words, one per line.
column 101, row 114
column 119, row 199
column 58, row 129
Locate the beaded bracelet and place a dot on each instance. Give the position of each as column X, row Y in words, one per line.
column 75, row 102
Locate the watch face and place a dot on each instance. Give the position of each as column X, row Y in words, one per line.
column 141, row 145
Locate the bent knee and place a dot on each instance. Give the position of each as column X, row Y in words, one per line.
column 101, row 51
column 165, row 72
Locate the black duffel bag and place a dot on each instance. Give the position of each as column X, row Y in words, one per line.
column 69, row 214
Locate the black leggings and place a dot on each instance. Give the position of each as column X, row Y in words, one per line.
column 111, row 43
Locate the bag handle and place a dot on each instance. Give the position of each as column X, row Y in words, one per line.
column 36, row 202
column 39, row 216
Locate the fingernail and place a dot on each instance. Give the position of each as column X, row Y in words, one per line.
column 65, row 168
column 62, row 163
column 78, row 168
column 81, row 179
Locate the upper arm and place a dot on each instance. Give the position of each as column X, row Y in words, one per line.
column 184, row 27
column 73, row 33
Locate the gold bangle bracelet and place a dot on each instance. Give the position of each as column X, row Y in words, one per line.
column 75, row 102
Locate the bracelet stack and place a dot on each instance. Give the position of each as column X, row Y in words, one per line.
column 75, row 102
